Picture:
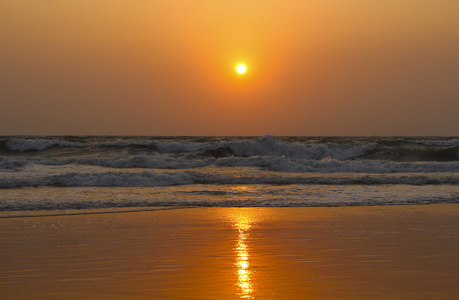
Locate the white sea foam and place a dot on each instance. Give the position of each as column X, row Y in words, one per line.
column 83, row 198
column 37, row 144
column 439, row 143
column 139, row 161
column 265, row 146
column 268, row 146
column 329, row 165
column 171, row 178
column 103, row 179
column 281, row 164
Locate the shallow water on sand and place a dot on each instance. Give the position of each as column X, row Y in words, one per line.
column 403, row 252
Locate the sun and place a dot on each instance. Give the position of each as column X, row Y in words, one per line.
column 241, row 69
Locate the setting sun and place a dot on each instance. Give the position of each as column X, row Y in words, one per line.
column 241, row 69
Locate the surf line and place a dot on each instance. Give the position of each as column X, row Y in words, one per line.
column 96, row 212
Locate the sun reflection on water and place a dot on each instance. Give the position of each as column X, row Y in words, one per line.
column 242, row 223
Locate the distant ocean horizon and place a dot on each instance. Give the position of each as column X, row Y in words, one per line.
column 106, row 172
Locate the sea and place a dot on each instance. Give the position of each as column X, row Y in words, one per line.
column 87, row 173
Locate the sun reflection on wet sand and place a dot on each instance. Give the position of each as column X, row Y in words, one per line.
column 242, row 223
column 243, row 267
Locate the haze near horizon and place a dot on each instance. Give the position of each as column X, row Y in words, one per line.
column 169, row 67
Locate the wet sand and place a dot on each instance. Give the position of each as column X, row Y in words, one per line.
column 390, row 252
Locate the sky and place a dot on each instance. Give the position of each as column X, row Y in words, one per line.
column 168, row 67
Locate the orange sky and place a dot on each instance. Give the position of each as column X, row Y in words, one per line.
column 135, row 67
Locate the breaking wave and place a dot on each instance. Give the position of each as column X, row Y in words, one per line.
column 265, row 146
column 439, row 143
column 153, row 179
column 392, row 150
column 38, row 144
column 108, row 172
column 282, row 164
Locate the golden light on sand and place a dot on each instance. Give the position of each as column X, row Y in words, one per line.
column 241, row 69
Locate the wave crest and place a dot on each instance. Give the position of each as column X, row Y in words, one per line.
column 37, row 144
column 155, row 179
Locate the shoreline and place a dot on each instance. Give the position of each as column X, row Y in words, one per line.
column 359, row 252
column 11, row 214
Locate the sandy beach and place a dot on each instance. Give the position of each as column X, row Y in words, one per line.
column 380, row 252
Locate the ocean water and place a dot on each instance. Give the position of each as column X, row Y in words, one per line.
column 103, row 172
